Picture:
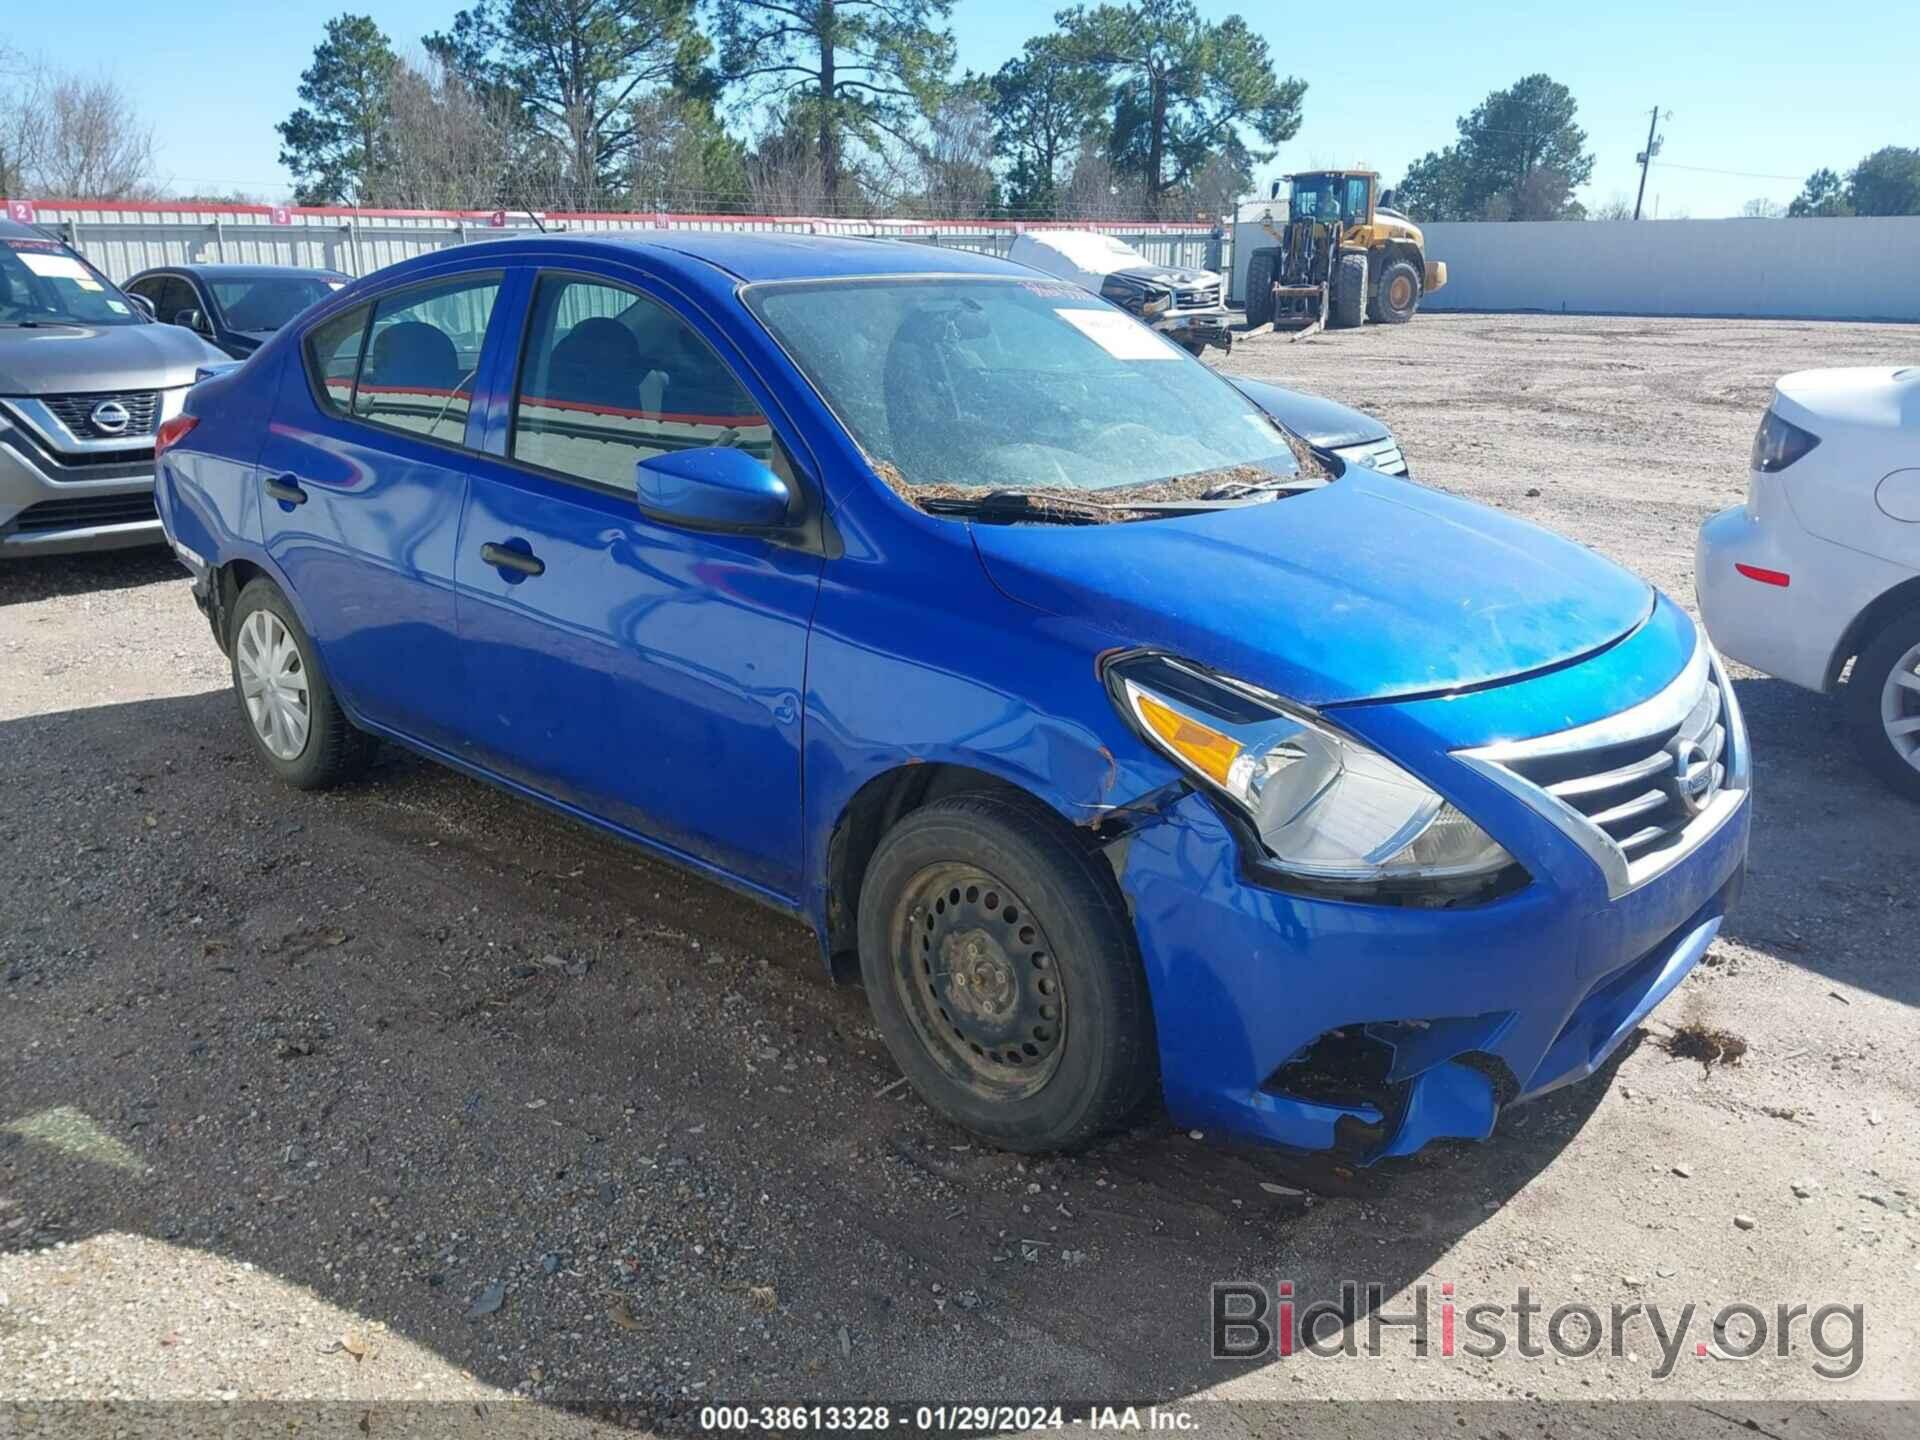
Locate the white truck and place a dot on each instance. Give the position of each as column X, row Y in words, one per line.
column 1188, row 306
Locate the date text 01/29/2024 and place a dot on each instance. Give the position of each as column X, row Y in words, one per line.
column 940, row 1419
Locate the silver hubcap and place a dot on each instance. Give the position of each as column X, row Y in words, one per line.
column 273, row 682
column 1900, row 707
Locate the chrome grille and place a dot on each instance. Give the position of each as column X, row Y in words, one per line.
column 1639, row 789
column 1643, row 793
column 76, row 413
column 1382, row 455
column 1193, row 297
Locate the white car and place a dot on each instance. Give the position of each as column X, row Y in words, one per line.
column 1822, row 564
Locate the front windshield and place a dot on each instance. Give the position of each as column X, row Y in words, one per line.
column 44, row 283
column 1329, row 197
column 1011, row 384
column 267, row 302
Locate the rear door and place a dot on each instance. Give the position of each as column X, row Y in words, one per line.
column 648, row 675
column 363, row 477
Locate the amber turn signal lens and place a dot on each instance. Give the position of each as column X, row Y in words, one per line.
column 1207, row 750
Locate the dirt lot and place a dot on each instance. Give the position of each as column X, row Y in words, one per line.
column 412, row 1091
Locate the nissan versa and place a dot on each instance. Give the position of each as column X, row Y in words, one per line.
column 1118, row 740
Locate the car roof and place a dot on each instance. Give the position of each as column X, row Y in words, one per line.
column 14, row 230
column 217, row 270
column 702, row 256
column 754, row 256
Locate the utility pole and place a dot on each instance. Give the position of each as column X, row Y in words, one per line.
column 1645, row 157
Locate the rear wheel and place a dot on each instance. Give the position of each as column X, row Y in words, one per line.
column 1347, row 306
column 1398, row 295
column 296, row 725
column 1003, row 973
column 1883, row 704
column 1260, row 287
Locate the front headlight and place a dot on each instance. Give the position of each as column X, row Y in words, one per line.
column 1325, row 806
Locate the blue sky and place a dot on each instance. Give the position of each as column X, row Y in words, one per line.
column 1767, row 88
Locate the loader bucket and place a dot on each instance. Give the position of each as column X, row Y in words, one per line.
column 1299, row 307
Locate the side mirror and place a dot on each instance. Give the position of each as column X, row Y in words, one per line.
column 716, row 487
column 194, row 320
column 143, row 305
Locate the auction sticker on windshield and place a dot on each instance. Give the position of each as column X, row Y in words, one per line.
column 56, row 266
column 1118, row 335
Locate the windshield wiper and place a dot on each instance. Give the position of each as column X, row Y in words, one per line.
column 1278, row 485
column 1022, row 505
column 1065, row 507
column 37, row 324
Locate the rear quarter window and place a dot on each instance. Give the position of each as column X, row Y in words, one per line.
column 333, row 357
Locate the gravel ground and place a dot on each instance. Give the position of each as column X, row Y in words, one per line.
column 412, row 1091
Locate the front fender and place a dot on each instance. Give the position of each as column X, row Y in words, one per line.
column 933, row 680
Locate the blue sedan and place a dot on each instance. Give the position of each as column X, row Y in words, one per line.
column 1121, row 743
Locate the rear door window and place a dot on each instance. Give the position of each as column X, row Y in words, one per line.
column 421, row 352
column 611, row 377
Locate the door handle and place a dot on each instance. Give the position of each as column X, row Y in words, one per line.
column 502, row 557
column 286, row 489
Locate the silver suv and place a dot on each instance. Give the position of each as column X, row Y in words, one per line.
column 86, row 378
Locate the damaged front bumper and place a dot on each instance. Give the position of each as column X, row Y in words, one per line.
column 1193, row 328
column 1369, row 1030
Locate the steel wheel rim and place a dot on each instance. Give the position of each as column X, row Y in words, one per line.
column 273, row 685
column 1900, row 707
column 1401, row 294
column 977, row 976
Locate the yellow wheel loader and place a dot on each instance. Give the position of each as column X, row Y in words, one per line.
column 1341, row 258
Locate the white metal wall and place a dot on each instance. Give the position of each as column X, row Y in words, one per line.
column 124, row 240
column 1856, row 269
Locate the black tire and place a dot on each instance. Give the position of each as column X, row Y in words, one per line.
column 1866, row 698
column 1347, row 306
column 333, row 751
column 1260, row 270
column 1398, row 295
column 1034, row 1032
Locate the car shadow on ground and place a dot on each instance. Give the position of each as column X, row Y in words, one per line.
column 1834, row 852
column 55, row 577
column 410, row 1040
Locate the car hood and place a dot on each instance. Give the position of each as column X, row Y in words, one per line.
column 60, row 359
column 1366, row 589
column 1317, row 421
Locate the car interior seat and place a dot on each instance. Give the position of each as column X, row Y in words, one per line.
column 413, row 355
column 597, row 362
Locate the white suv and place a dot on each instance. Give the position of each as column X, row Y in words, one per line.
column 1822, row 564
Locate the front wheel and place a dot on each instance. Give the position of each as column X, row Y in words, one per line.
column 1003, row 974
column 1261, row 269
column 1348, row 306
column 1883, row 703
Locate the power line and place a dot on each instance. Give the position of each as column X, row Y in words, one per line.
column 1710, row 170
